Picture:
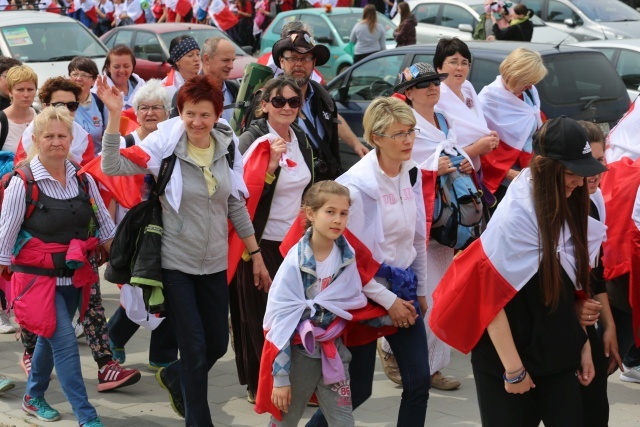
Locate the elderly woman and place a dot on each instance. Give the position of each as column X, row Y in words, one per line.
column 63, row 93
column 118, row 67
column 50, row 290
column 152, row 105
column 199, row 198
column 277, row 209
column 22, row 83
column 184, row 57
column 59, row 91
column 511, row 107
column 386, row 194
column 91, row 114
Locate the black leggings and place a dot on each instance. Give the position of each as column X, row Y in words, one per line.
column 555, row 401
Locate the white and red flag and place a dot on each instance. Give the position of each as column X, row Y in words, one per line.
column 491, row 271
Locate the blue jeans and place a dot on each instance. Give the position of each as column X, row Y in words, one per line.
column 163, row 347
column 61, row 351
column 198, row 308
column 410, row 349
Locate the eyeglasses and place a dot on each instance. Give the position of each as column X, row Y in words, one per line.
column 155, row 108
column 279, row 101
column 71, row 106
column 424, row 85
column 296, row 59
column 456, row 64
column 77, row 75
column 402, row 135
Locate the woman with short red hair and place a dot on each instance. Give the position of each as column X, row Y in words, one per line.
column 202, row 193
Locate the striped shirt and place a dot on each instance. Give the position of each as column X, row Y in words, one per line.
column 14, row 207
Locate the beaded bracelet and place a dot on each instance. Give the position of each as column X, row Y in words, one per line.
column 257, row 251
column 517, row 379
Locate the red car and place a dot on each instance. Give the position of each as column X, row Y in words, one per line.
column 150, row 45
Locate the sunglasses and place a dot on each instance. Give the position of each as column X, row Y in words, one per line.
column 424, row 85
column 279, row 101
column 71, row 106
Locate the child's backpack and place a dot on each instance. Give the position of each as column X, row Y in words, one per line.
column 457, row 210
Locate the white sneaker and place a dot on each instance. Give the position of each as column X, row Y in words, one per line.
column 6, row 327
column 630, row 375
column 79, row 329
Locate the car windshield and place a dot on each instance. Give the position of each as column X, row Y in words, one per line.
column 607, row 10
column 45, row 42
column 535, row 20
column 200, row 35
column 344, row 23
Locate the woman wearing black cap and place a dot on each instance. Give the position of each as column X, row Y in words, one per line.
column 184, row 57
column 510, row 296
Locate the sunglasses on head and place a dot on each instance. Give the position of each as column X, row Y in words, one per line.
column 71, row 106
column 424, row 85
column 279, row 101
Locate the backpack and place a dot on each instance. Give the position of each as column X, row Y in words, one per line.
column 458, row 207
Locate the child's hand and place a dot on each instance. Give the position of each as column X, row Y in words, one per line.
column 281, row 397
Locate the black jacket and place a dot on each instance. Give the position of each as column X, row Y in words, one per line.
column 522, row 32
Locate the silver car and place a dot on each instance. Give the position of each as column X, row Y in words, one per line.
column 589, row 19
column 458, row 18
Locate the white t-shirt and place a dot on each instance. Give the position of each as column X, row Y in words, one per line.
column 325, row 271
column 287, row 196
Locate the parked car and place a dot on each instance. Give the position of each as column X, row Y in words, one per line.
column 625, row 57
column 47, row 42
column 581, row 82
column 458, row 18
column 589, row 19
column 330, row 28
column 150, row 45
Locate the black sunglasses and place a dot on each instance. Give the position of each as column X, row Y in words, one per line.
column 71, row 106
column 279, row 101
column 424, row 85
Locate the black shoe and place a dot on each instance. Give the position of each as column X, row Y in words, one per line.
column 177, row 403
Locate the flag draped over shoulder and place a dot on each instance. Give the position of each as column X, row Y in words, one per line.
column 619, row 188
column 489, row 273
column 514, row 120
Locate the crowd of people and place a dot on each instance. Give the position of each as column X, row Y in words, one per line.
column 318, row 268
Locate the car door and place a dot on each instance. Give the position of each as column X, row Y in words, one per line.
column 150, row 56
column 453, row 18
column 628, row 67
column 557, row 12
column 427, row 30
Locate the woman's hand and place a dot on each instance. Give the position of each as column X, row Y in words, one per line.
column 402, row 313
column 281, row 397
column 445, row 166
column 587, row 370
column 588, row 311
column 466, row 167
column 110, row 96
column 261, row 278
column 487, row 144
column 105, row 250
column 422, row 301
column 520, row 388
column 610, row 344
column 278, row 148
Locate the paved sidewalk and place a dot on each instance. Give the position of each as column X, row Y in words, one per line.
column 146, row 404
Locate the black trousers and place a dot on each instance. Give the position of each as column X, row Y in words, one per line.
column 594, row 397
column 555, row 401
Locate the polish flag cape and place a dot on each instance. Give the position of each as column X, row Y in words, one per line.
column 513, row 119
column 173, row 82
column 619, row 189
column 469, row 123
column 81, row 150
column 285, row 307
column 221, row 16
column 484, row 278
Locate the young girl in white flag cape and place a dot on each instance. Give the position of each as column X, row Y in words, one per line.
column 316, row 286
column 510, row 296
column 511, row 106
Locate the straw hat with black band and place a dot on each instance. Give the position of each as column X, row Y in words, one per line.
column 417, row 73
column 301, row 42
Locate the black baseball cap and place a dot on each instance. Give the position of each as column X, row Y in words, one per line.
column 566, row 141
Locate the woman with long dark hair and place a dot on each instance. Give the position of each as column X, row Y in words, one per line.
column 405, row 33
column 510, row 296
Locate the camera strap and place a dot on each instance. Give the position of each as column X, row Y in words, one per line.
column 322, row 148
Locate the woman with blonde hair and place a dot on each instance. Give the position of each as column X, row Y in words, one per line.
column 511, row 107
column 70, row 219
column 368, row 35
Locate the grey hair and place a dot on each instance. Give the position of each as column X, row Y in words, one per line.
column 210, row 46
column 294, row 26
column 151, row 91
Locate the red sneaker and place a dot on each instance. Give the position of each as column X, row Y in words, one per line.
column 113, row 376
column 25, row 362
